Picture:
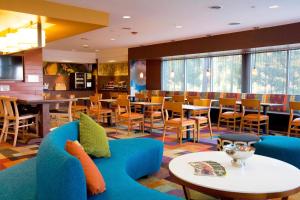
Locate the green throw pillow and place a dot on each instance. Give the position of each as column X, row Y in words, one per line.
column 93, row 137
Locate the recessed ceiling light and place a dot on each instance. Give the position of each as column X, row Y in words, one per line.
column 111, row 61
column 274, row 6
column 126, row 28
column 112, row 39
column 126, row 17
column 215, row 7
column 97, row 50
column 85, row 45
column 234, row 23
column 178, row 26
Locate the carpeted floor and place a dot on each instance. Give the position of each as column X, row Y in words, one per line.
column 160, row 181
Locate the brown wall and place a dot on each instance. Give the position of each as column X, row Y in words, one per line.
column 153, row 79
column 278, row 35
column 33, row 64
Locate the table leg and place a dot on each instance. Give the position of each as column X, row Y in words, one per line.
column 44, row 127
column 265, row 109
column 186, row 193
column 188, row 133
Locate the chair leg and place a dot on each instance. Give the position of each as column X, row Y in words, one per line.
column 241, row 125
column 210, row 129
column 16, row 133
column 267, row 127
column 164, row 134
column 258, row 127
column 234, row 122
column 194, row 134
column 129, row 127
column 37, row 126
column 198, row 133
column 143, row 126
column 6, row 130
column 218, row 127
column 3, row 130
column 180, row 135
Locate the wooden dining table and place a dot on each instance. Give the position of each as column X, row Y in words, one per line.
column 43, row 105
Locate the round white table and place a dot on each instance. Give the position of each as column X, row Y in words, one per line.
column 261, row 178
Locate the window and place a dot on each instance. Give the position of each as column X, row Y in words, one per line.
column 173, row 75
column 226, row 73
column 197, row 75
column 294, row 73
column 269, row 72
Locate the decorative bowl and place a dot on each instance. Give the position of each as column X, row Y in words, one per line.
column 239, row 153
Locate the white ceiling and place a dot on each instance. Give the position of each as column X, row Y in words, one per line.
column 155, row 20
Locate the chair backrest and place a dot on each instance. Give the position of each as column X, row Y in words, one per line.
column 174, row 107
column 179, row 98
column 190, row 99
column 2, row 109
column 227, row 103
column 294, row 105
column 202, row 102
column 251, row 103
column 122, row 96
column 113, row 95
column 157, row 99
column 140, row 96
column 95, row 101
column 11, row 107
column 125, row 104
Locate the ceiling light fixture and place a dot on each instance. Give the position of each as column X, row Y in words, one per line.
column 22, row 38
column 97, row 50
column 234, row 23
column 274, row 6
column 111, row 61
column 85, row 45
column 126, row 17
column 215, row 7
column 112, row 39
column 178, row 26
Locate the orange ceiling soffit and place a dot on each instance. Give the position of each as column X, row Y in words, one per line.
column 56, row 10
column 65, row 20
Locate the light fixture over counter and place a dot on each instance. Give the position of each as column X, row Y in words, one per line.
column 30, row 35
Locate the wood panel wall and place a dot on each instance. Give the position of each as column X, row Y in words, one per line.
column 153, row 70
column 272, row 36
column 33, row 64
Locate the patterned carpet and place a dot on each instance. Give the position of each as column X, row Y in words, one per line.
column 160, row 181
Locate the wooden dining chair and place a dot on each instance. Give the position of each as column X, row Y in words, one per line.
column 202, row 117
column 62, row 115
column 141, row 97
column 15, row 120
column 124, row 116
column 77, row 109
column 179, row 123
column 178, row 98
column 254, row 119
column 190, row 99
column 294, row 121
column 232, row 117
column 155, row 113
column 97, row 111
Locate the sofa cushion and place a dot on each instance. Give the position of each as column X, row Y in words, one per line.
column 19, row 182
column 93, row 137
column 94, row 179
column 280, row 147
column 59, row 175
column 138, row 157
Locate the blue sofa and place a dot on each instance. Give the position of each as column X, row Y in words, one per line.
column 56, row 175
column 280, row 147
